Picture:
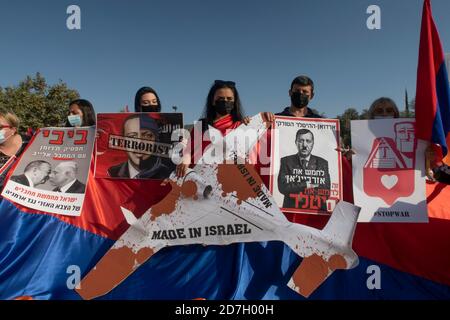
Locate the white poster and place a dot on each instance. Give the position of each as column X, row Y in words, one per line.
column 305, row 165
column 388, row 171
column 51, row 175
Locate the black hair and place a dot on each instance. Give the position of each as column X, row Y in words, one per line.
column 209, row 112
column 303, row 81
column 302, row 132
column 88, row 112
column 140, row 93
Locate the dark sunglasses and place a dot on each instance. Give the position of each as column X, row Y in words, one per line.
column 226, row 83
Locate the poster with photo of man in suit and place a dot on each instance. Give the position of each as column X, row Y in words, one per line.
column 305, row 165
column 52, row 173
column 135, row 145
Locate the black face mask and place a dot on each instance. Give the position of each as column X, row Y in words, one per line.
column 153, row 108
column 224, row 107
column 299, row 100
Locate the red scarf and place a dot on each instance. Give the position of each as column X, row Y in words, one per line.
column 224, row 125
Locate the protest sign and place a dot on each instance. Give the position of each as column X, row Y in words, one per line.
column 388, row 171
column 51, row 174
column 135, row 145
column 305, row 165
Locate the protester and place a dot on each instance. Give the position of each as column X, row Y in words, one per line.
column 223, row 111
column 147, row 100
column 301, row 93
column 81, row 114
column 11, row 143
column 383, row 108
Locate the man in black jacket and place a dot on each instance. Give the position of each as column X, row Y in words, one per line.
column 303, row 171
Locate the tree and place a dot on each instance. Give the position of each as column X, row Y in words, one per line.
column 410, row 111
column 364, row 115
column 36, row 103
column 344, row 119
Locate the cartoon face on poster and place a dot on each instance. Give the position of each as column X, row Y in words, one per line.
column 135, row 145
column 51, row 175
column 388, row 171
column 305, row 166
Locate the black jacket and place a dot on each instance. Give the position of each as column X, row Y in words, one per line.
column 309, row 113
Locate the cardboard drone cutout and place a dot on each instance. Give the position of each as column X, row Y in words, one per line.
column 219, row 204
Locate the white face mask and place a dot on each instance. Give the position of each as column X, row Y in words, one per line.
column 74, row 120
column 383, row 117
column 3, row 137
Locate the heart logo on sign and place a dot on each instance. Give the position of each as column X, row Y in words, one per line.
column 389, row 181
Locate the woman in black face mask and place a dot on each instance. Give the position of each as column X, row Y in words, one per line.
column 223, row 109
column 147, row 100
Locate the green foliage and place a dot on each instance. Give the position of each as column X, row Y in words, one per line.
column 36, row 103
column 344, row 119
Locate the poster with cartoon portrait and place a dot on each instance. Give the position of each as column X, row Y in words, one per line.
column 388, row 171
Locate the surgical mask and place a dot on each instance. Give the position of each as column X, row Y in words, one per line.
column 224, row 107
column 299, row 100
column 74, row 120
column 2, row 136
column 383, row 117
column 151, row 108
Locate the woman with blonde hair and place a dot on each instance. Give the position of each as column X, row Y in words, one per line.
column 11, row 142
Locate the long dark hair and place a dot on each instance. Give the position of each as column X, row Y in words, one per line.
column 88, row 112
column 140, row 93
column 209, row 113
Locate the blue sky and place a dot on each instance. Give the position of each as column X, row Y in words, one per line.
column 180, row 47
